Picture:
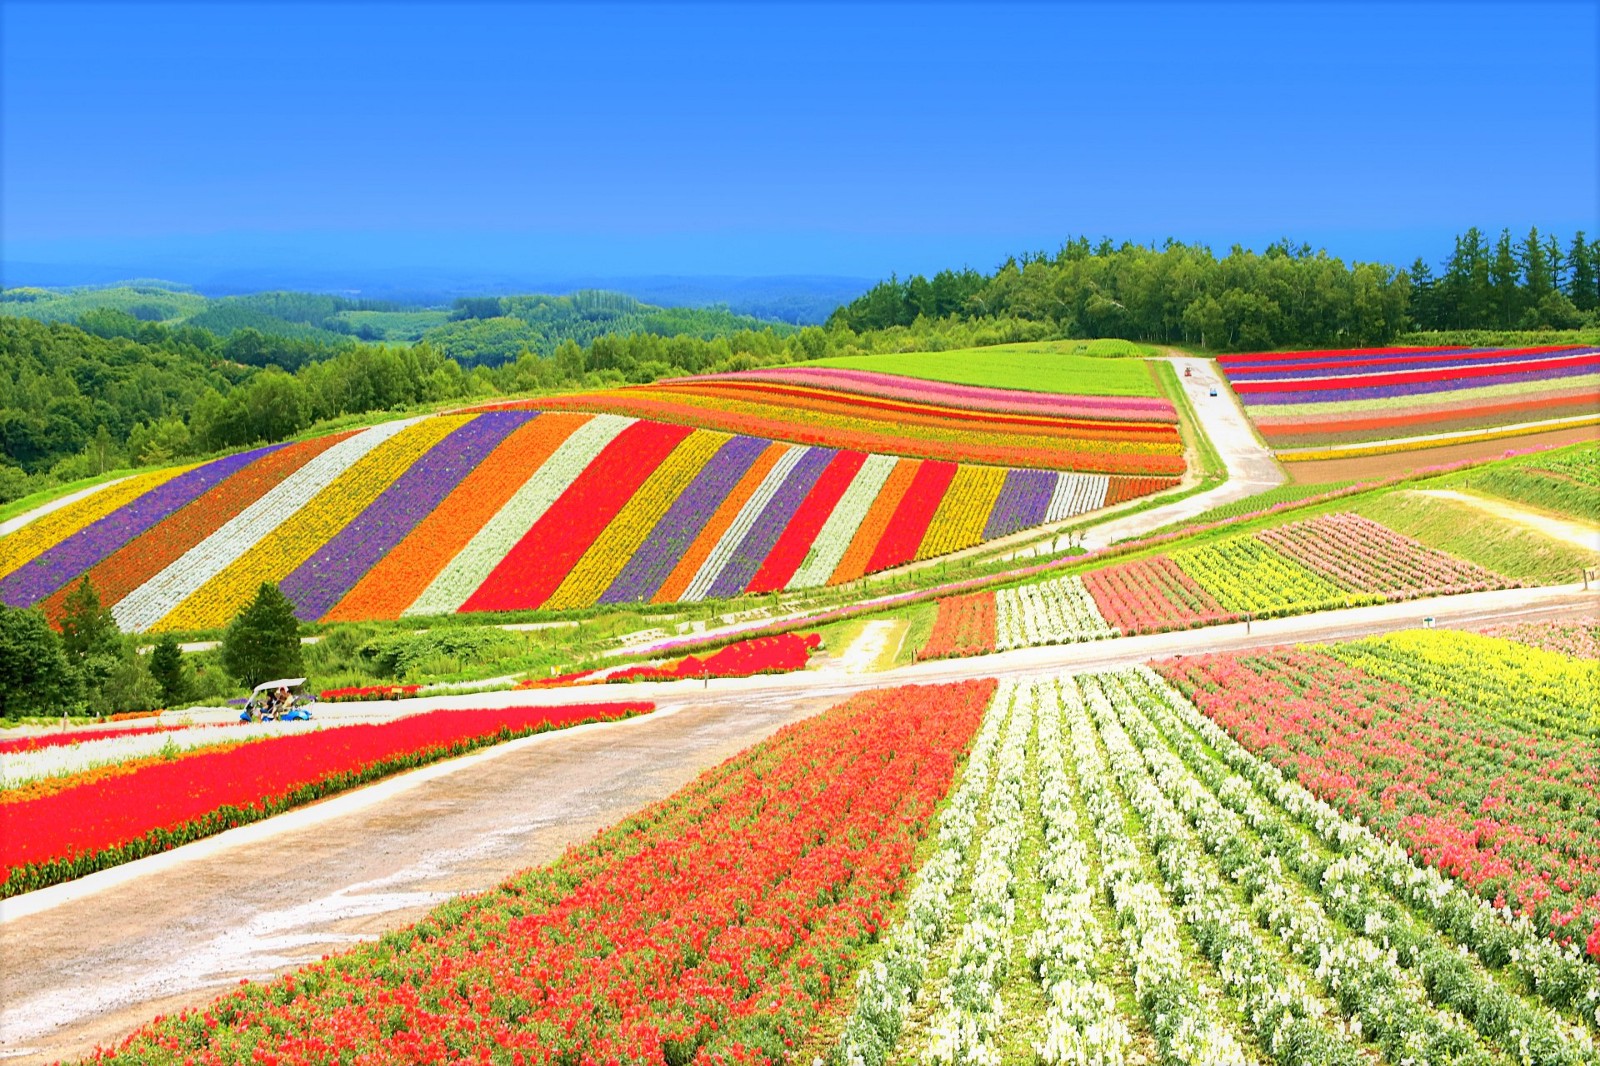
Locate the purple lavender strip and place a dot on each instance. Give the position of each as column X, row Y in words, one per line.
column 91, row 545
column 1023, row 501
column 322, row 580
column 769, row 526
column 1411, row 388
column 643, row 575
column 1292, row 374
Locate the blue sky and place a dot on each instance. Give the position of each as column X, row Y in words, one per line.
column 825, row 138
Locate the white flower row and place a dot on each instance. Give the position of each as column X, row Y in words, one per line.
column 1060, row 611
column 964, row 1030
column 151, row 601
column 1076, row 493
column 1184, row 1018
column 833, row 540
column 1367, row 977
column 472, row 565
column 19, row 767
column 1082, row 1025
column 723, row 551
column 1286, row 1017
column 1532, row 1033
column 887, row 988
column 1556, row 974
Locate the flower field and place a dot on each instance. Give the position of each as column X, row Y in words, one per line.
column 717, row 926
column 520, row 509
column 112, row 819
column 1481, row 757
column 1115, row 880
column 1335, row 560
column 1314, row 400
column 885, row 413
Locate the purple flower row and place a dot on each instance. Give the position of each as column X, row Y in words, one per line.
column 1482, row 357
column 1412, row 388
column 91, row 545
column 650, row 566
column 1023, row 501
column 319, row 583
column 771, row 523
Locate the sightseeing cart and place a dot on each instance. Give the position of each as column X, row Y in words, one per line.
column 283, row 700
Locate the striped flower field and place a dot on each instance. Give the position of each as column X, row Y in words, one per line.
column 516, row 509
column 1311, row 400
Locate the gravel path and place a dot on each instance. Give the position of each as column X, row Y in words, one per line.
column 86, row 962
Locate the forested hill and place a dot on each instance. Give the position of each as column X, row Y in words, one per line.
column 1286, row 296
column 291, row 329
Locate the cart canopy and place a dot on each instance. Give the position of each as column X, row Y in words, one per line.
column 287, row 682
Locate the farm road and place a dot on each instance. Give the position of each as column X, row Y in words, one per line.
column 87, row 962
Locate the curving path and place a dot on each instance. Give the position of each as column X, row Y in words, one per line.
column 86, row 962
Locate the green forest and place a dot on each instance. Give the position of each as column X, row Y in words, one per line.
column 93, row 381
column 1286, row 296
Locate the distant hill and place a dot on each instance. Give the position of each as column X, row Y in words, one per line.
column 477, row 330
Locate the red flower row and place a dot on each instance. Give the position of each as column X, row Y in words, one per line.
column 715, row 927
column 113, row 820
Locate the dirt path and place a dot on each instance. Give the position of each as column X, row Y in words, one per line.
column 85, row 963
column 1579, row 534
column 1251, row 467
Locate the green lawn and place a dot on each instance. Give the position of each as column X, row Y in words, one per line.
column 1464, row 531
column 1085, row 368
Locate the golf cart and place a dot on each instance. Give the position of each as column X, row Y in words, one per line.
column 279, row 701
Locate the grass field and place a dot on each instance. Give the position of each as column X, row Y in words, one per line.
column 1084, row 368
column 1565, row 481
column 1458, row 529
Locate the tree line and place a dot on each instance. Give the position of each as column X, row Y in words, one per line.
column 1288, row 295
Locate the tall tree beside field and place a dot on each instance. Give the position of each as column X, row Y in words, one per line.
column 35, row 677
column 1583, row 271
column 166, row 667
column 1505, row 293
column 262, row 642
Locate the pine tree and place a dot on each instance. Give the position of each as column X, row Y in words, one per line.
column 1536, row 279
column 87, row 629
column 166, row 666
column 1581, row 270
column 1424, row 297
column 1503, row 277
column 263, row 640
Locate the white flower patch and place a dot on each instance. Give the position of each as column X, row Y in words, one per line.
column 1075, row 494
column 833, row 540
column 1060, row 611
column 967, row 1023
column 471, row 566
column 151, row 601
column 734, row 535
column 886, row 989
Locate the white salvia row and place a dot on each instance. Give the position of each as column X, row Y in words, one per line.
column 730, row 540
column 1189, row 1028
column 833, row 540
column 1076, row 493
column 1386, row 1000
column 162, row 594
column 970, row 1008
column 19, row 767
column 1368, row 864
column 1281, row 1009
column 474, row 563
column 1082, row 1025
column 1060, row 611
column 887, row 988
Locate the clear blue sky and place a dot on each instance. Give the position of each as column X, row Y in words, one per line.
column 775, row 139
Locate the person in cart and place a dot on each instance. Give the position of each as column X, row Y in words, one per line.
column 279, row 701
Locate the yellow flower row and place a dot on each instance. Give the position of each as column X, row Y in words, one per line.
column 303, row 532
column 958, row 523
column 39, row 536
column 610, row 552
column 1420, row 443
